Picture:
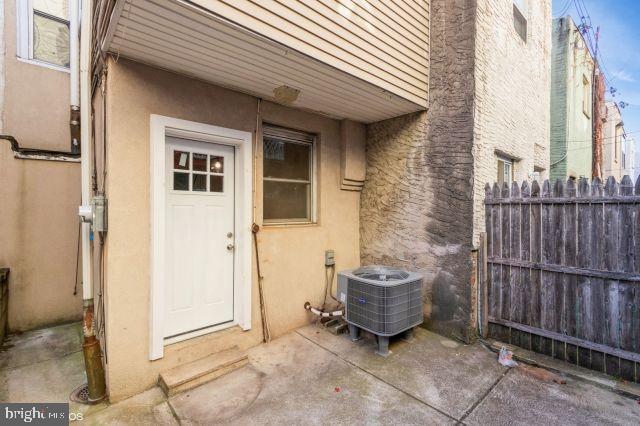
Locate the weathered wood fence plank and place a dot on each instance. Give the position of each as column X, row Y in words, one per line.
column 563, row 271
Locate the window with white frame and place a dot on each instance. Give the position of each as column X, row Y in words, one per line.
column 288, row 176
column 520, row 13
column 505, row 171
column 43, row 31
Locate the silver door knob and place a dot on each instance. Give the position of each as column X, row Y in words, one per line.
column 230, row 247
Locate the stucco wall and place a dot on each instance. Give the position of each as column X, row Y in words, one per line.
column 38, row 199
column 512, row 95
column 417, row 202
column 292, row 257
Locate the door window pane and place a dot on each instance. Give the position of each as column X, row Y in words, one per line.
column 286, row 160
column 199, row 162
column 216, row 164
column 287, row 200
column 50, row 40
column 180, row 160
column 199, row 182
column 180, row 181
column 216, row 183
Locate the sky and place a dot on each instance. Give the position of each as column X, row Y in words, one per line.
column 619, row 46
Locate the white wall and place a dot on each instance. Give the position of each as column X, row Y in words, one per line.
column 512, row 98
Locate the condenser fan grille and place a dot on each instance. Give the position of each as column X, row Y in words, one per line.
column 384, row 310
column 380, row 273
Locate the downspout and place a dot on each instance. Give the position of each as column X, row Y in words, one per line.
column 91, row 347
column 74, row 68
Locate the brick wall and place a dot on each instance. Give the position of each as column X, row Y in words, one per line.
column 512, row 94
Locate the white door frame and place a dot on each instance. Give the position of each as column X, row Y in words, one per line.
column 161, row 127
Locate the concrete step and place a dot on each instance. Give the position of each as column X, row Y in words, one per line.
column 188, row 376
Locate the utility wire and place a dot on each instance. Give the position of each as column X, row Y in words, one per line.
column 566, row 7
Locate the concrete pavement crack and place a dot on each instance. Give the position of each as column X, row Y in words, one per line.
column 378, row 378
column 484, row 396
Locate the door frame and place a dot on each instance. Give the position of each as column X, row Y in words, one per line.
column 160, row 128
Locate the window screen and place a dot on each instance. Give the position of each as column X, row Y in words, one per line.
column 287, row 176
column 50, row 41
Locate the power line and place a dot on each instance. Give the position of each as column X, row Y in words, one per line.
column 607, row 138
column 566, row 7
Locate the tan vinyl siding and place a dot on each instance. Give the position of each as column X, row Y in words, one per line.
column 385, row 43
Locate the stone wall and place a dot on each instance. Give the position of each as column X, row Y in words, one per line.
column 511, row 95
column 417, row 203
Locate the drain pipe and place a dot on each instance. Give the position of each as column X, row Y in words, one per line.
column 91, row 346
column 74, row 68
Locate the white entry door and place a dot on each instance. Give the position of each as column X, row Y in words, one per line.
column 199, row 235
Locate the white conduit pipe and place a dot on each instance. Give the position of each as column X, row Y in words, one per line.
column 321, row 313
column 85, row 142
column 74, row 52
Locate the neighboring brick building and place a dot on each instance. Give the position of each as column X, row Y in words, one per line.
column 512, row 70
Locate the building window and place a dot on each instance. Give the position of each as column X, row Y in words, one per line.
column 520, row 13
column 505, row 171
column 617, row 139
column 43, row 32
column 586, row 96
column 288, row 176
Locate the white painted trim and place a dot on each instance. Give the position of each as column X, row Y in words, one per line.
column 160, row 128
column 22, row 28
column 44, row 64
column 24, row 34
column 113, row 24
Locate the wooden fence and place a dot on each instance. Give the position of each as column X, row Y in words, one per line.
column 562, row 271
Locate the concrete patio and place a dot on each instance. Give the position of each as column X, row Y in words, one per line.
column 312, row 376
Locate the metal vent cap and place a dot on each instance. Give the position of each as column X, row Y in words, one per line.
column 381, row 273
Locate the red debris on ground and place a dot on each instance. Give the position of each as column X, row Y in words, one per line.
column 337, row 389
column 542, row 374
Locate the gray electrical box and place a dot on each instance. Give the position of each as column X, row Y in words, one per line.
column 99, row 223
column 329, row 258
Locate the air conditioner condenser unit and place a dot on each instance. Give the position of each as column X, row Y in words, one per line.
column 382, row 300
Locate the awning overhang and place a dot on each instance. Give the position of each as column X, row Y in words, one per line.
column 181, row 37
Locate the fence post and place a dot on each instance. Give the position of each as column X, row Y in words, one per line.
column 484, row 285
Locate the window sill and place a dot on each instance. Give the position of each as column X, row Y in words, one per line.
column 44, row 64
column 277, row 225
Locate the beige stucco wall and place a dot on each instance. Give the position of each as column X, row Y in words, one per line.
column 38, row 199
column 292, row 257
column 512, row 95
